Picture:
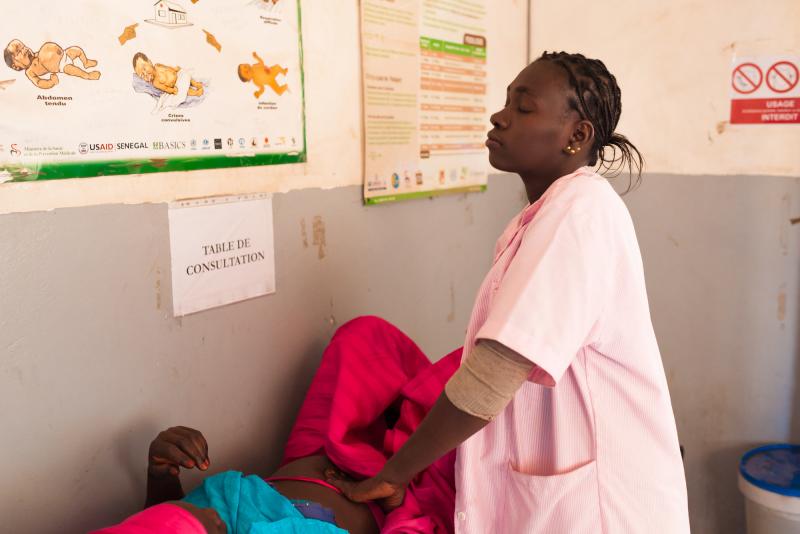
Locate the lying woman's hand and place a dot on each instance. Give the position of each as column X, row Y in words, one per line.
column 388, row 494
column 177, row 447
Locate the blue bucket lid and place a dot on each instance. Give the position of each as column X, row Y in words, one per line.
column 774, row 468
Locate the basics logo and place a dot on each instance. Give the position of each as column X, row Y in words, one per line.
column 169, row 145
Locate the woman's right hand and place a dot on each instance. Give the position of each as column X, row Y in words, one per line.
column 177, row 447
column 388, row 494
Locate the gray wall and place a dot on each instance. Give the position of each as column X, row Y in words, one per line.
column 92, row 364
column 723, row 275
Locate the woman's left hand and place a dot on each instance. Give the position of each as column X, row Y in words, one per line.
column 177, row 447
column 389, row 495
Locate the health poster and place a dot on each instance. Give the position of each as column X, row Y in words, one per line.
column 424, row 80
column 91, row 88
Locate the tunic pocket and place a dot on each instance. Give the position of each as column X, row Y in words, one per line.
column 567, row 503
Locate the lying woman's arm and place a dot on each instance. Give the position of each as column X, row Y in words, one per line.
column 172, row 449
column 162, row 489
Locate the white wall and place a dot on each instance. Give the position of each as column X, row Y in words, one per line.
column 673, row 62
column 332, row 68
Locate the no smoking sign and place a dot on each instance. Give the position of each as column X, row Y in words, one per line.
column 782, row 76
column 747, row 78
column 764, row 90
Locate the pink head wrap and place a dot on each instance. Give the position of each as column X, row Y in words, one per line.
column 160, row 519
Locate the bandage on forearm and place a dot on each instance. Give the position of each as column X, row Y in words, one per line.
column 487, row 379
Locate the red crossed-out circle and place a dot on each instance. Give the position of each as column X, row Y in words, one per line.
column 744, row 80
column 782, row 76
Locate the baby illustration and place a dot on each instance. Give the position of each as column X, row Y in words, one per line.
column 268, row 4
column 163, row 77
column 42, row 67
column 261, row 75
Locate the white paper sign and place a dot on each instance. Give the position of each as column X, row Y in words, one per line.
column 222, row 251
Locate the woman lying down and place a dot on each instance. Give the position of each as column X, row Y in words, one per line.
column 371, row 391
column 294, row 499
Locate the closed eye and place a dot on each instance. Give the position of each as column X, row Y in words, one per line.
column 526, row 104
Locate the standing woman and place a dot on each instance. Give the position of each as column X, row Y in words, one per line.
column 560, row 410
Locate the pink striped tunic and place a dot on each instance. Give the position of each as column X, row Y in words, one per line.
column 589, row 444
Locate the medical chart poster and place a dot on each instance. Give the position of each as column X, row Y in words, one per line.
column 92, row 87
column 424, row 81
column 222, row 251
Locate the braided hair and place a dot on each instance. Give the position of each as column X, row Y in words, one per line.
column 598, row 99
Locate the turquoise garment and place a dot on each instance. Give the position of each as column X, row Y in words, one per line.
column 249, row 505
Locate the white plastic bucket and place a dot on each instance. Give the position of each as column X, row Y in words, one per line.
column 770, row 508
column 769, row 513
